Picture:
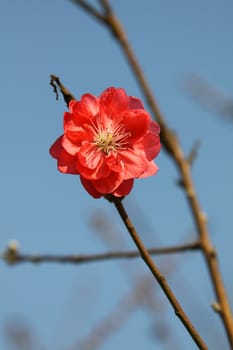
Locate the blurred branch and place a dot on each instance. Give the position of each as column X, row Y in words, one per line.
column 100, row 333
column 172, row 146
column 12, row 255
column 109, row 325
column 209, row 97
column 21, row 336
column 194, row 152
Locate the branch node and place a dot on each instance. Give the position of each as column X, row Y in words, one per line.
column 177, row 312
column 216, row 307
column 204, row 217
column 161, row 278
column 193, row 152
column 190, row 192
column 180, row 183
column 11, row 254
column 213, row 253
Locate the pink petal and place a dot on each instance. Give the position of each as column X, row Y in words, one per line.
column 67, row 164
column 136, row 123
column 135, row 103
column 135, row 163
column 154, row 127
column 56, row 148
column 87, row 184
column 76, row 119
column 152, row 169
column 76, row 134
column 109, row 184
column 90, row 156
column 113, row 102
column 114, row 163
column 149, row 145
column 101, row 170
column 124, row 188
column 89, row 105
column 69, row 146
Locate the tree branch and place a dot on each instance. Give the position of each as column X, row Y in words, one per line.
column 12, row 255
column 158, row 276
column 172, row 146
column 56, row 83
column 90, row 10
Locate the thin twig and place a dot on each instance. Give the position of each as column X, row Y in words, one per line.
column 192, row 156
column 159, row 277
column 89, row 9
column 209, row 97
column 13, row 256
column 56, row 83
column 172, row 146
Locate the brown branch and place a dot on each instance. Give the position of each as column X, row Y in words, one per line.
column 172, row 146
column 90, row 10
column 158, row 276
column 12, row 255
column 56, row 83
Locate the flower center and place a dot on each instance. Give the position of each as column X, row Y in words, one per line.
column 111, row 139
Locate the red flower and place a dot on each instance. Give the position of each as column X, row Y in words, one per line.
column 109, row 141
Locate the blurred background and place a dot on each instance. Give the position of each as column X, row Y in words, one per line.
column 186, row 51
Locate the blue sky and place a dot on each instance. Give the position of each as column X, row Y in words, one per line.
column 48, row 212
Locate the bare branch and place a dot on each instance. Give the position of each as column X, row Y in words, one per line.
column 89, row 9
column 172, row 146
column 56, row 83
column 193, row 153
column 106, row 7
column 209, row 97
column 13, row 256
column 158, row 276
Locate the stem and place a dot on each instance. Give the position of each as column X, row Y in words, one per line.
column 159, row 277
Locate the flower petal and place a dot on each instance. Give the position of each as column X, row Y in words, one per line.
column 152, row 169
column 87, row 184
column 88, row 106
column 100, row 171
column 114, row 163
column 108, row 184
column 154, row 127
column 136, row 123
column 69, row 146
column 135, row 163
column 56, row 148
column 124, row 188
column 90, row 156
column 113, row 102
column 135, row 103
column 149, row 145
column 66, row 163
